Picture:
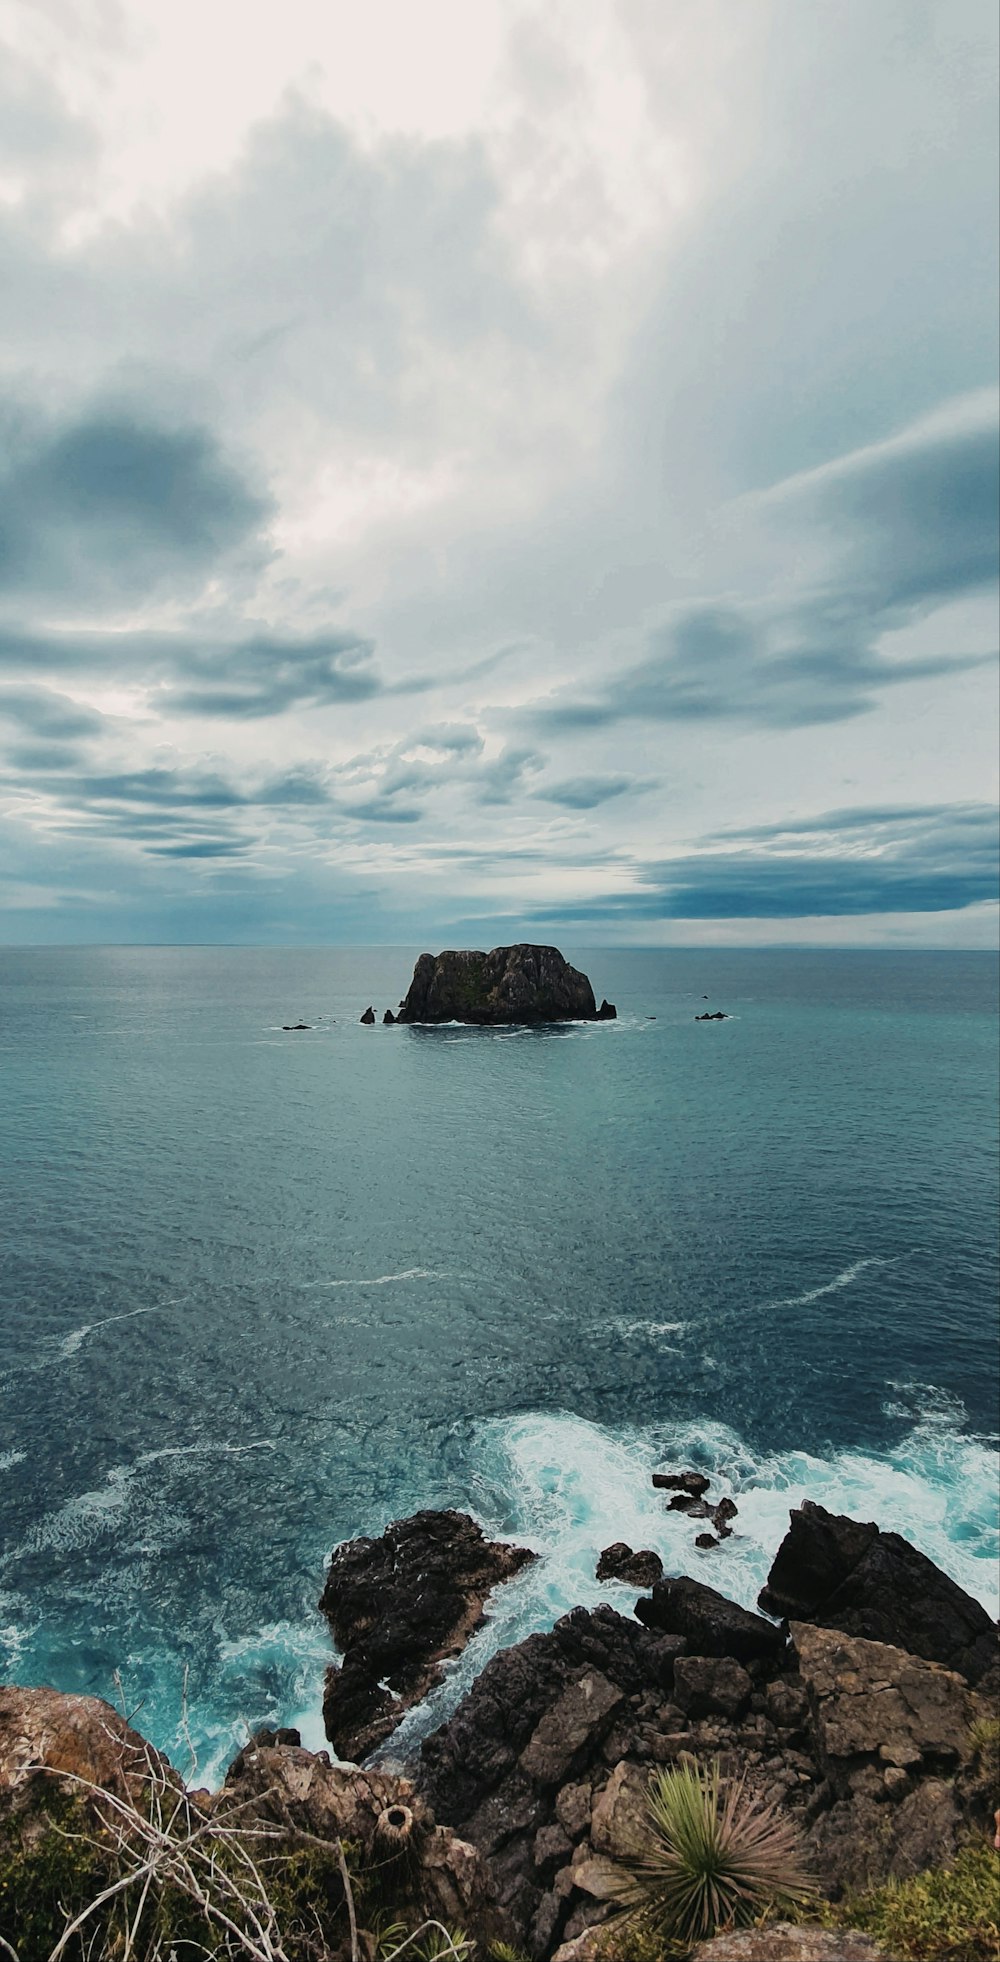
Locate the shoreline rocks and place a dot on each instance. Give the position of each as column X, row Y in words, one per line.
column 847, row 1574
column 398, row 1607
column 520, row 984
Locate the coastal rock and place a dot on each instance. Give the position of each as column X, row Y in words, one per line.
column 388, row 1826
column 871, row 1700
column 539, row 1732
column 846, row 1574
column 618, row 1562
column 692, row 1482
column 388, row 1019
column 508, row 985
column 607, row 1012
column 398, row 1607
column 719, row 1016
column 79, row 1737
column 709, row 1623
column 293, row 1028
column 784, row 1942
column 711, row 1685
column 368, row 1017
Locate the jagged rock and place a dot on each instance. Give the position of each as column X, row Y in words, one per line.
column 368, row 1017
column 719, row 1016
column 397, row 1607
column 710, row 1624
column 510, row 984
column 847, row 1574
column 870, row 1699
column 694, row 1483
column 80, row 1737
column 618, row 1562
column 695, row 1508
column 784, row 1942
column 706, row 1542
column 619, row 1821
column 388, row 1019
column 607, row 1012
column 726, row 1510
column 381, row 1817
column 583, row 1948
column 529, row 1743
column 581, row 1715
column 707, row 1685
column 293, row 1028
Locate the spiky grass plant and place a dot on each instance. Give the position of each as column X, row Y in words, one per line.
column 715, row 1856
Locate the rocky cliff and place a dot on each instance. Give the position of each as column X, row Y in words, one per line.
column 510, row 984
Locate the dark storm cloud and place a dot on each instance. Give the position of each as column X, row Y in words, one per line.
column 925, row 861
column 110, row 506
column 908, row 524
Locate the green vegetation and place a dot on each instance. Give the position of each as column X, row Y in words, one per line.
column 948, row 1914
column 716, row 1857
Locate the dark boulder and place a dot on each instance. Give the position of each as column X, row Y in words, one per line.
column 509, row 985
column 709, row 1623
column 388, row 1019
column 706, row 1541
column 688, row 1481
column 293, row 1028
column 368, row 1017
column 694, row 1508
column 639, row 1569
column 607, row 1012
column 397, row 1607
column 719, row 1016
column 846, row 1574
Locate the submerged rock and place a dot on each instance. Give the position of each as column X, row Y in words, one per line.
column 845, row 1573
column 511, row 984
column 398, row 1607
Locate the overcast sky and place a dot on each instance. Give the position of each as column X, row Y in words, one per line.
column 477, row 469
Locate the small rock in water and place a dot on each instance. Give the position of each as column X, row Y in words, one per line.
column 706, row 1541
column 687, row 1481
column 618, row 1562
column 388, row 1019
column 292, row 1028
column 607, row 1012
column 686, row 1502
column 368, row 1017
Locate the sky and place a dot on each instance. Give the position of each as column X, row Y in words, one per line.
column 513, row 470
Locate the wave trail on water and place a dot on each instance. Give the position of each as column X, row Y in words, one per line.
column 832, row 1287
column 71, row 1343
column 383, row 1280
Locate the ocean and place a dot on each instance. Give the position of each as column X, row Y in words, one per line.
column 261, row 1292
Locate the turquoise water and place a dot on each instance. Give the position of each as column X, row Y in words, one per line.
column 262, row 1291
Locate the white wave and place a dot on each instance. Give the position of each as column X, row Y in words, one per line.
column 567, row 1488
column 628, row 1329
column 8, row 1459
column 383, row 1280
column 832, row 1287
column 71, row 1343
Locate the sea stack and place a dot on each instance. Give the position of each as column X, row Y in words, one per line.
column 510, row 984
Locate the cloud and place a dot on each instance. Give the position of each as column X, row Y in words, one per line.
column 842, row 864
column 208, row 673
column 585, row 793
column 110, row 506
column 892, row 529
column 47, row 713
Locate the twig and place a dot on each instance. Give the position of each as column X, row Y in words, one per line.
column 349, row 1898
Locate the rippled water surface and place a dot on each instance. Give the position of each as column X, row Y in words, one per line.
column 262, row 1291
